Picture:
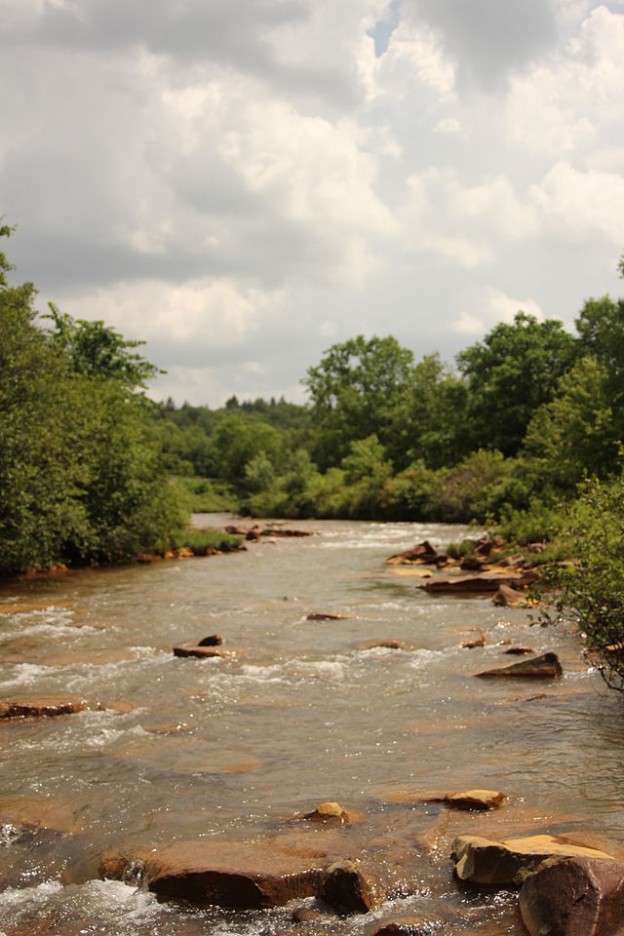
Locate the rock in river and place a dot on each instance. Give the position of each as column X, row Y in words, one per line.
column 44, row 706
column 574, row 897
column 485, row 861
column 546, row 666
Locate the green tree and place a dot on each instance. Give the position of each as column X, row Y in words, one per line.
column 80, row 462
column 354, row 392
column 575, row 434
column 509, row 375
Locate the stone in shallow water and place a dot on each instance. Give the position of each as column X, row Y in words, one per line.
column 41, row 707
column 546, row 666
column 486, row 861
column 202, row 652
column 228, row 874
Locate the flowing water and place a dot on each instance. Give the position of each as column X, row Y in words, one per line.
column 304, row 712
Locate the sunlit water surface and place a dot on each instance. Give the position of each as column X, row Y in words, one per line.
column 305, row 712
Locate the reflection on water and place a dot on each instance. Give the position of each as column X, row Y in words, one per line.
column 306, row 711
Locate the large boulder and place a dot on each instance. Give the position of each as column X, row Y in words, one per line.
column 546, row 666
column 574, row 897
column 242, row 876
column 486, row 861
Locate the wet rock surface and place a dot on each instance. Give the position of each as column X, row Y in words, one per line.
column 574, row 897
column 508, row 862
column 545, row 666
column 41, row 707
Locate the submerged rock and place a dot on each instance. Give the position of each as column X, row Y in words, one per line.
column 574, row 897
column 485, row 861
column 42, row 707
column 546, row 666
column 326, row 616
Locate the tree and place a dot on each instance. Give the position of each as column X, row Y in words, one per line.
column 80, row 463
column 355, row 391
column 590, row 593
column 511, row 373
column 575, row 433
column 97, row 350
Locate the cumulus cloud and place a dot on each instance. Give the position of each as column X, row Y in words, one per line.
column 242, row 183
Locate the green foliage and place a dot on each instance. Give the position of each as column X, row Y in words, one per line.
column 202, row 495
column 80, row 467
column 576, row 433
column 476, row 488
column 509, row 375
column 591, row 591
column 203, row 542
column 355, row 391
column 97, row 350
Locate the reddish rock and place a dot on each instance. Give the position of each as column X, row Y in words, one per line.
column 423, row 552
column 346, row 889
column 42, row 707
column 306, row 915
column 574, row 897
column 242, row 876
column 518, row 651
column 390, row 645
column 546, row 666
column 482, row 582
column 205, row 652
column 508, row 597
column 330, row 812
column 485, row 861
column 213, row 640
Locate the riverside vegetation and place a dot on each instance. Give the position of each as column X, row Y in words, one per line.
column 523, row 435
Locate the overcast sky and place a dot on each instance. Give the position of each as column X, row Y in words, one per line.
column 243, row 183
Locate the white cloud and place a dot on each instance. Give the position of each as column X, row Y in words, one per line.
column 579, row 206
column 491, row 307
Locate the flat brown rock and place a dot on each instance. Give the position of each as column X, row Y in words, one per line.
column 203, row 652
column 482, row 582
column 330, row 812
column 509, row 861
column 242, row 876
column 326, row 616
column 546, row 666
column 467, row 800
column 42, row 707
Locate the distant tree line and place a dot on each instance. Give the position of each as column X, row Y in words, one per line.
column 524, row 416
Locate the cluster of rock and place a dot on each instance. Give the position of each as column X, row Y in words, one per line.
column 484, row 570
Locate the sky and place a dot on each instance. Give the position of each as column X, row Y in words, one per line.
column 243, row 183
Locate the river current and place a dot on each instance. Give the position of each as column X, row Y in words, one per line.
column 303, row 712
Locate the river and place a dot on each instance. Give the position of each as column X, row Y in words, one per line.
column 305, row 712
